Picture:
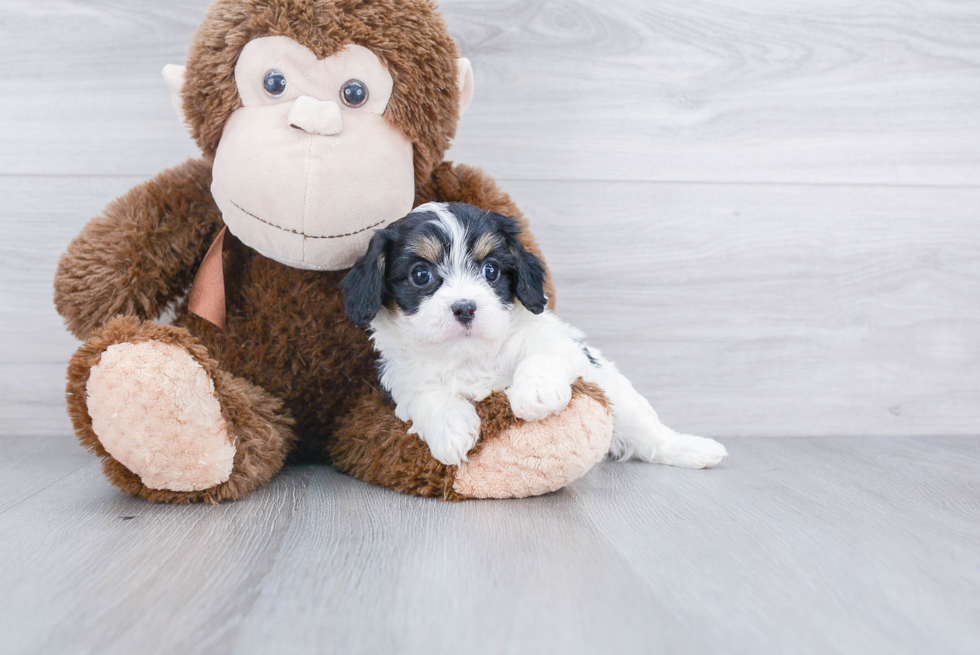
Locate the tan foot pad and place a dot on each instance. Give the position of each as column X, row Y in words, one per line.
column 535, row 458
column 154, row 409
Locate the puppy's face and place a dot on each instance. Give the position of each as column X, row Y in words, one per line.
column 443, row 274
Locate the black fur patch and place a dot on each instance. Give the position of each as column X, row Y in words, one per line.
column 383, row 277
column 588, row 354
column 521, row 273
column 402, row 260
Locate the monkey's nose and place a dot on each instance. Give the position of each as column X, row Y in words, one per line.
column 318, row 117
column 464, row 311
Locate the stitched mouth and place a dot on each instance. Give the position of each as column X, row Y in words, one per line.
column 307, row 236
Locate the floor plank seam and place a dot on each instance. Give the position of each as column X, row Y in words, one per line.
column 274, row 557
column 46, row 487
column 600, row 534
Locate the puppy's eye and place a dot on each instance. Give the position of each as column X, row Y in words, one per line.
column 491, row 272
column 421, row 275
column 354, row 93
column 274, row 83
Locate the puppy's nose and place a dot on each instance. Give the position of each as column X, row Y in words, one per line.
column 318, row 117
column 464, row 311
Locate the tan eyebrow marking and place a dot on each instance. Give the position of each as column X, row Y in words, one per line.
column 427, row 247
column 485, row 245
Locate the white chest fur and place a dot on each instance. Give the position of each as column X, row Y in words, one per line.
column 473, row 368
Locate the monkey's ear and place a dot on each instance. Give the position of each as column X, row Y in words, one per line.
column 173, row 75
column 364, row 285
column 464, row 78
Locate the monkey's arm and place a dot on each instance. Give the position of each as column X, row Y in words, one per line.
column 462, row 183
column 142, row 253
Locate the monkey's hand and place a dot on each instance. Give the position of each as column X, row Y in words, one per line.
column 142, row 254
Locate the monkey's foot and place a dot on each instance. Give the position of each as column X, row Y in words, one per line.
column 154, row 409
column 513, row 458
column 532, row 458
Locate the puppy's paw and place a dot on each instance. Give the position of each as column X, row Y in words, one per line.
column 693, row 453
column 453, row 434
column 534, row 396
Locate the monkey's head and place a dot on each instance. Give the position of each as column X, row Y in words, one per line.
column 320, row 117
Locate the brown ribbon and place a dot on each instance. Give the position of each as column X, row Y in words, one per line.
column 207, row 297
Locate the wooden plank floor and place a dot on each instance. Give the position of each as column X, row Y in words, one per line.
column 810, row 545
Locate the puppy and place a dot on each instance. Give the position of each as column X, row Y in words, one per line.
column 456, row 307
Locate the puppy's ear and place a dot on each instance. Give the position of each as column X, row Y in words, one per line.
column 530, row 280
column 364, row 284
column 530, row 271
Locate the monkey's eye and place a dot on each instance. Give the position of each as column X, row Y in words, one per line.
column 421, row 275
column 491, row 272
column 274, row 83
column 354, row 93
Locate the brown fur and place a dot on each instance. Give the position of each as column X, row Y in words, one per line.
column 408, row 36
column 427, row 247
column 261, row 429
column 142, row 254
column 485, row 245
column 374, row 446
column 289, row 361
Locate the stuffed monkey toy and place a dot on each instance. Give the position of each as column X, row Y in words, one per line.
column 319, row 122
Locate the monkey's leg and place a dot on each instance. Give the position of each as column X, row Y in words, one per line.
column 513, row 459
column 170, row 425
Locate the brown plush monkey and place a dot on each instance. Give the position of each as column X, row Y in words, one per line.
column 319, row 120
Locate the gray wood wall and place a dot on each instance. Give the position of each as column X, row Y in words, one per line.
column 767, row 212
